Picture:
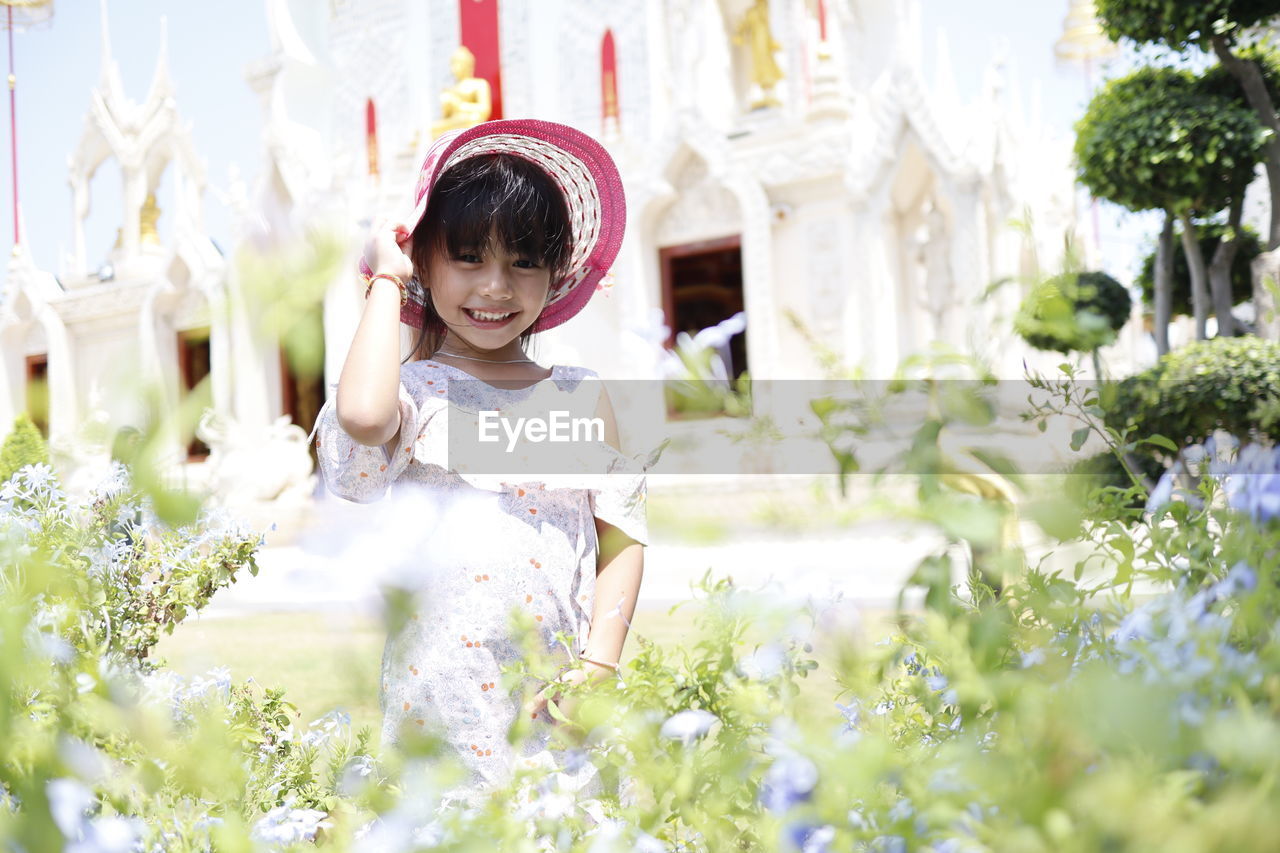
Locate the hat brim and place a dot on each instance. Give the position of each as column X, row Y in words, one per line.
column 585, row 174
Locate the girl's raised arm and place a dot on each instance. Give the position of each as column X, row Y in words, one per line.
column 367, row 389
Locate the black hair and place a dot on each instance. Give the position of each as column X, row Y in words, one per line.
column 490, row 198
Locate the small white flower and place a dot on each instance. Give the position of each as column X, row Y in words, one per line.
column 718, row 335
column 109, row 835
column 688, row 726
column 765, row 663
column 646, row 843
column 69, row 800
column 287, row 825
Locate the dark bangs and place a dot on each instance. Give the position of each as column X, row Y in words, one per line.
column 496, row 198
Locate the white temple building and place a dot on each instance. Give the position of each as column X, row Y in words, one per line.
column 869, row 204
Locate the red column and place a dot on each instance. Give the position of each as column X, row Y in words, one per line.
column 479, row 19
column 609, row 111
column 371, row 135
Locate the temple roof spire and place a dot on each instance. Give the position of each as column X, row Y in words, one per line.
column 109, row 71
column 161, row 81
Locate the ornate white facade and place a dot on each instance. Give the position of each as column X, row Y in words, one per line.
column 870, row 204
column 873, row 206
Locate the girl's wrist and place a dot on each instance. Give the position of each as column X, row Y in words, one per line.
column 599, row 665
column 385, row 281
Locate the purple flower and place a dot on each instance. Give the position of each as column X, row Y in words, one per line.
column 1031, row 658
column 1241, row 578
column 889, row 844
column 789, row 780
column 852, row 714
column 809, row 837
column 1163, row 492
column 1253, row 483
column 901, row 810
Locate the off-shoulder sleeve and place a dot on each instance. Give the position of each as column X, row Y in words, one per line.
column 618, row 488
column 360, row 472
column 621, row 498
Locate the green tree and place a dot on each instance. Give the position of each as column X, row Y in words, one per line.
column 1249, row 246
column 1161, row 139
column 1215, row 25
column 1074, row 312
column 23, row 446
column 1220, row 26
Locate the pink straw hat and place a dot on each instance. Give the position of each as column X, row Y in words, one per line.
column 579, row 166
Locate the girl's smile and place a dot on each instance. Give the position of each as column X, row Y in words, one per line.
column 489, row 319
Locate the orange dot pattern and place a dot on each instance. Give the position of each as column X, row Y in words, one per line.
column 461, row 681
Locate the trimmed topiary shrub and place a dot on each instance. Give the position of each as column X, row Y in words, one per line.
column 23, row 446
column 1074, row 313
column 1206, row 386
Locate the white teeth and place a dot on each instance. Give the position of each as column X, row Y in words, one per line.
column 480, row 315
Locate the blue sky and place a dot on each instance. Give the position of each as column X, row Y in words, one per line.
column 57, row 67
column 210, row 46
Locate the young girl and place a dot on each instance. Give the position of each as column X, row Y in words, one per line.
column 516, row 222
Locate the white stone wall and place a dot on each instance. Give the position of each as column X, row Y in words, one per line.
column 826, row 209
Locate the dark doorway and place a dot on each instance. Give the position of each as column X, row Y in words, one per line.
column 702, row 285
column 194, row 366
column 38, row 392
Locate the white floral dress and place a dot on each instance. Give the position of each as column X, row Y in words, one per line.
column 493, row 546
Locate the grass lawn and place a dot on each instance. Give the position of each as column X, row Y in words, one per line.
column 326, row 660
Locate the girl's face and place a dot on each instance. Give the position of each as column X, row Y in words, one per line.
column 487, row 296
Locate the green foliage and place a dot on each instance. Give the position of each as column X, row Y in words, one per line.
column 1158, row 139
column 87, row 719
column 1217, row 80
column 1206, row 386
column 288, row 283
column 1033, row 703
column 1074, row 312
column 23, row 446
column 1179, row 24
column 1103, row 477
column 1210, row 237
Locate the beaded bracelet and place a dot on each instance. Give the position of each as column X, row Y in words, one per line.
column 395, row 279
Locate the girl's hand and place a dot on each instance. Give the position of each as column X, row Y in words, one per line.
column 551, row 693
column 387, row 247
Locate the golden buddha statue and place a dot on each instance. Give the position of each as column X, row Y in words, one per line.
column 753, row 30
column 468, row 101
column 147, row 219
